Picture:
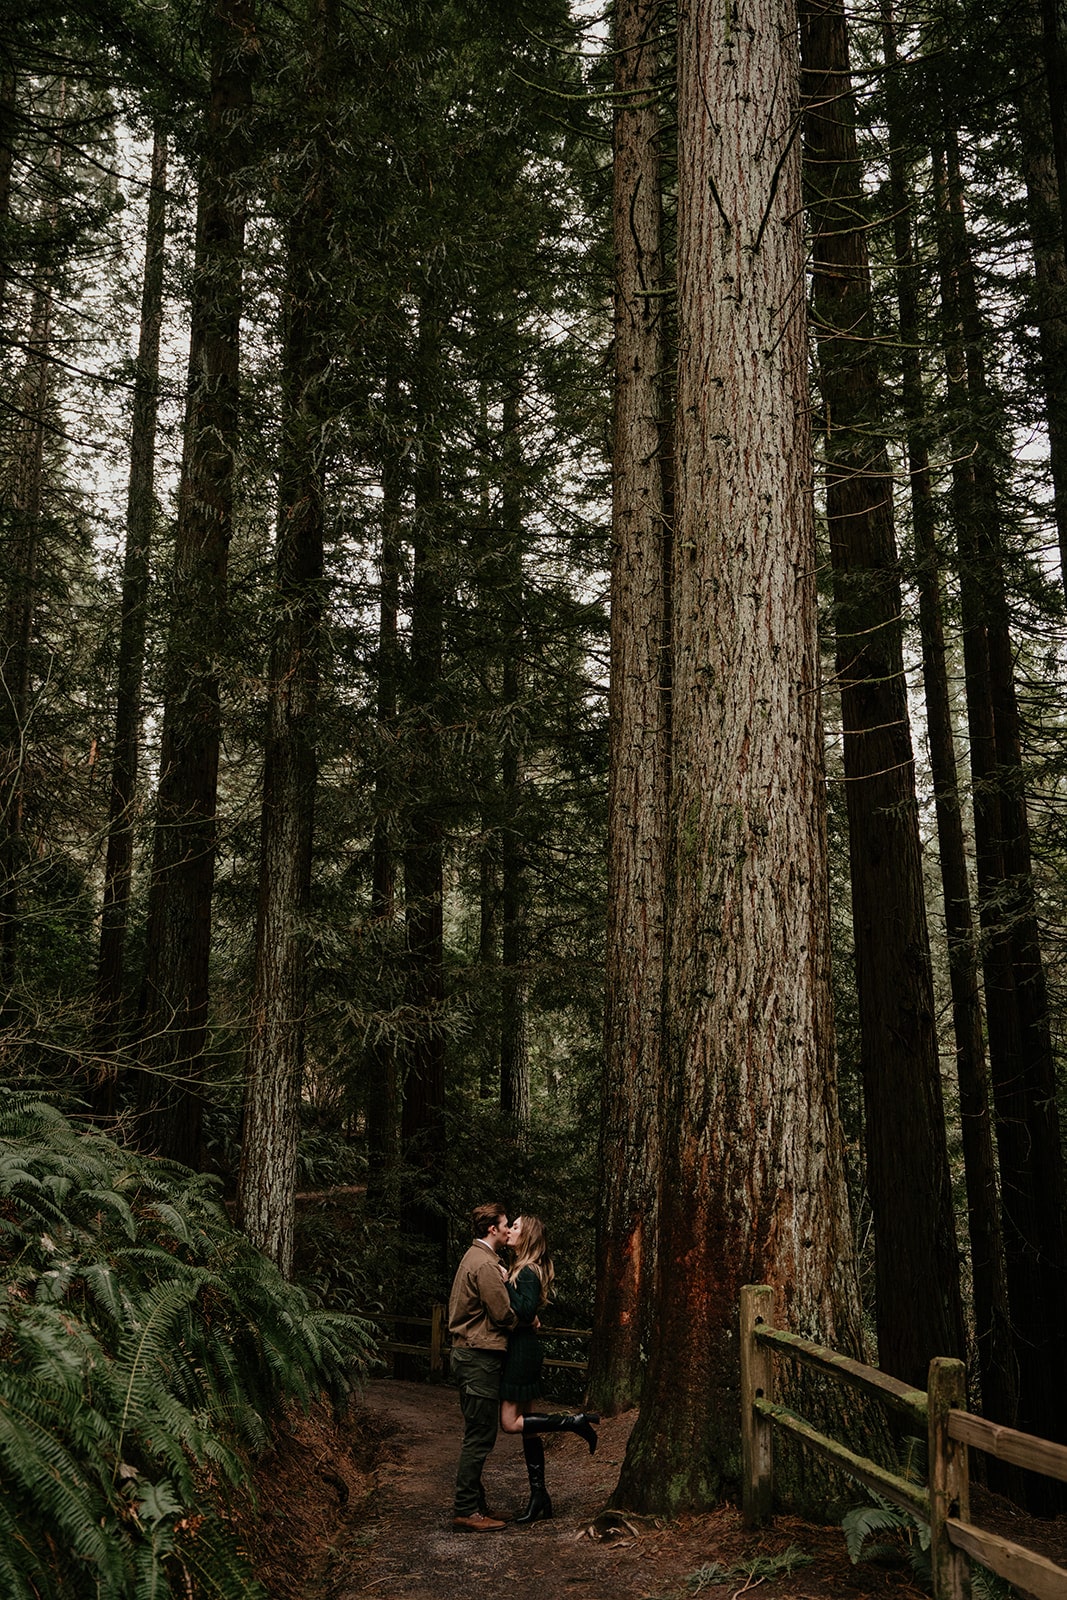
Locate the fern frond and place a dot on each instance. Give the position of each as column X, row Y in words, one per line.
column 175, row 1221
column 863, row 1522
column 104, row 1287
column 142, row 1351
column 116, row 1204
column 34, row 1465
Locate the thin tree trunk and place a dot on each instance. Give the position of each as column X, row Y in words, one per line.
column 21, row 561
column 488, row 953
column 640, row 728
column 8, row 125
column 1021, row 1063
column 174, row 1009
column 422, row 1126
column 1054, row 51
column 266, row 1189
column 514, row 1054
column 383, row 1103
column 996, row 1367
column 140, row 516
column 1046, row 226
column 753, row 1167
column 918, row 1306
column 489, row 782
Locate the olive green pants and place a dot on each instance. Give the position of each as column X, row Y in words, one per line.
column 478, row 1374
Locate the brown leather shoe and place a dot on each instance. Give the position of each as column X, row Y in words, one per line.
column 476, row 1523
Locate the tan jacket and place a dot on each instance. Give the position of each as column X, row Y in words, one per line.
column 479, row 1310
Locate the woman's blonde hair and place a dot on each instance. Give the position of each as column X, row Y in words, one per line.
column 532, row 1251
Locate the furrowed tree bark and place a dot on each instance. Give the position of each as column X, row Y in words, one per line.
column 174, row 1008
column 753, row 1173
column 1021, row 1061
column 918, row 1307
column 140, row 517
column 639, row 721
column 266, row 1190
column 996, row 1366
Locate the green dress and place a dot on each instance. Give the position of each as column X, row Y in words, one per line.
column 521, row 1378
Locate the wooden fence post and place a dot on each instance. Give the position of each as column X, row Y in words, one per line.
column 437, row 1338
column 757, row 1382
column 949, row 1478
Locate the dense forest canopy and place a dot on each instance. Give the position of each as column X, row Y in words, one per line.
column 533, row 558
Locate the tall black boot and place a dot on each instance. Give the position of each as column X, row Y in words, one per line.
column 579, row 1422
column 539, row 1504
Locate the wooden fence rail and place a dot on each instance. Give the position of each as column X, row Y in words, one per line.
column 950, row 1429
column 438, row 1347
column 435, row 1349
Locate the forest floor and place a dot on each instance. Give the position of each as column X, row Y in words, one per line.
column 365, row 1509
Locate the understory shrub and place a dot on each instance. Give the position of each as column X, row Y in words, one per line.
column 145, row 1349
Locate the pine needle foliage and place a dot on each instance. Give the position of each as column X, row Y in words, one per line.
column 145, row 1347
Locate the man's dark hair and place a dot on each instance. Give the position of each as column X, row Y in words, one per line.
column 483, row 1218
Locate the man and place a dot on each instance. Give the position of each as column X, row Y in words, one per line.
column 479, row 1316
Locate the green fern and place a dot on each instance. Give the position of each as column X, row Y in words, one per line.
column 863, row 1523
column 143, row 1342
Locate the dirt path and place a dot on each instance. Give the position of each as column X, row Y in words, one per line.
column 399, row 1544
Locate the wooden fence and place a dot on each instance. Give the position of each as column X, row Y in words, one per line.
column 940, row 1413
column 437, row 1348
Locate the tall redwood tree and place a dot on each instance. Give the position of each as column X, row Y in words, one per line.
column 917, row 1297
column 267, row 1179
column 174, row 1010
column 133, row 628
column 640, row 710
column 753, row 1177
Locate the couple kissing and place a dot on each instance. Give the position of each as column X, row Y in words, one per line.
column 497, row 1361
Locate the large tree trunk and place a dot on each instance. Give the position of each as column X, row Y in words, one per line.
column 266, row 1191
column 174, row 1010
column 1021, row 1061
column 996, row 1367
column 140, row 517
column 918, row 1307
column 753, row 1171
column 640, row 721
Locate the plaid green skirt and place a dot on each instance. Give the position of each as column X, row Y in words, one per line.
column 521, row 1378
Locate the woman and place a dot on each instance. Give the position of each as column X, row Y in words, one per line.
column 529, row 1282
